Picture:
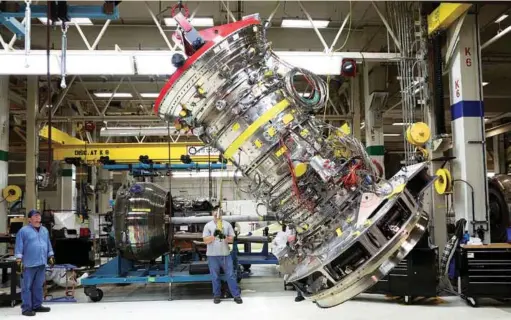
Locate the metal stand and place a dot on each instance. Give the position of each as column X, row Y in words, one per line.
column 9, row 274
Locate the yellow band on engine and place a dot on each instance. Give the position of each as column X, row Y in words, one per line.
column 262, row 120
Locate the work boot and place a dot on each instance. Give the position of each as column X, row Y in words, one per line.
column 42, row 309
column 216, row 300
column 238, row 300
column 299, row 298
column 28, row 313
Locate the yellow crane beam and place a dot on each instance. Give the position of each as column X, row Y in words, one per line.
column 67, row 146
column 60, row 137
column 443, row 16
column 130, row 152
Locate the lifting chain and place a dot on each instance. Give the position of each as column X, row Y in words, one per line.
column 28, row 35
column 64, row 55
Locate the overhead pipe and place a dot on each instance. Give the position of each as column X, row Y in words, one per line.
column 206, row 219
column 497, row 37
column 164, row 166
column 239, row 239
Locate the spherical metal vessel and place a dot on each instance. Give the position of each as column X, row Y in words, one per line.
column 352, row 227
column 139, row 221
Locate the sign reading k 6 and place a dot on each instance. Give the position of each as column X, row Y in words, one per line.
column 468, row 57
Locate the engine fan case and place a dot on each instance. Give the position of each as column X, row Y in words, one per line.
column 139, row 221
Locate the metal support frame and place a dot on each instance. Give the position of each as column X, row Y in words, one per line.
column 387, row 25
column 229, row 12
column 9, row 19
column 498, row 130
column 348, row 16
column 158, row 25
column 313, row 26
column 445, row 14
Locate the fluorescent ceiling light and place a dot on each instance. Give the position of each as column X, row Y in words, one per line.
column 150, row 95
column 196, row 22
column 89, row 64
column 391, row 134
column 400, row 124
column 111, row 94
column 485, row 83
column 136, row 131
column 315, row 62
column 80, row 21
column 150, row 64
column 501, row 18
column 303, row 23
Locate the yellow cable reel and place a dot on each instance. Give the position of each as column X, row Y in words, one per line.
column 418, row 134
column 443, row 183
column 11, row 193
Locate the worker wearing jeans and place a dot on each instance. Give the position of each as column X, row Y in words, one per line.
column 217, row 235
column 33, row 251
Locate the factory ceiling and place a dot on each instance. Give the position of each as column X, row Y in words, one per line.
column 137, row 30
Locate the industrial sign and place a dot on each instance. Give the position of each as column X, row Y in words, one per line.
column 130, row 152
column 468, row 59
column 202, row 151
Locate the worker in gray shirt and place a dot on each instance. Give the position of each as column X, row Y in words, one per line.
column 217, row 235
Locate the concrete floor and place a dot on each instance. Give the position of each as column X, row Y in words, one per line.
column 264, row 297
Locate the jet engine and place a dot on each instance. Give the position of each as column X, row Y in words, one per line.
column 352, row 226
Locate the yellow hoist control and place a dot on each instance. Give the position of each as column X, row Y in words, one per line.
column 418, row 134
column 443, row 183
column 11, row 193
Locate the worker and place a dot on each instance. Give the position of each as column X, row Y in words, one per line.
column 33, row 251
column 217, row 235
column 282, row 240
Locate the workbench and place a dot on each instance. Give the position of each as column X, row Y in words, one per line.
column 484, row 271
column 11, row 293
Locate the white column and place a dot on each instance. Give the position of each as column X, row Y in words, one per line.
column 434, row 202
column 4, row 151
column 355, row 105
column 499, row 155
column 104, row 198
column 468, row 131
column 32, row 143
column 373, row 124
column 66, row 187
column 92, row 203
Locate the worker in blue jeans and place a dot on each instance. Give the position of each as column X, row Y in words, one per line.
column 33, row 251
column 217, row 235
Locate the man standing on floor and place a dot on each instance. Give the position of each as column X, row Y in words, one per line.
column 33, row 251
column 217, row 235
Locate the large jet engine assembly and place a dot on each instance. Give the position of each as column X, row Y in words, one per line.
column 234, row 93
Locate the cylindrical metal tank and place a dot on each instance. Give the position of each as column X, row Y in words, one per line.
column 139, row 221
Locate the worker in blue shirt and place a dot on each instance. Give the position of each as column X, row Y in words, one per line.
column 33, row 252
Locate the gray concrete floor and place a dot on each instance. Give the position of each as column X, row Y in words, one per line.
column 264, row 297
